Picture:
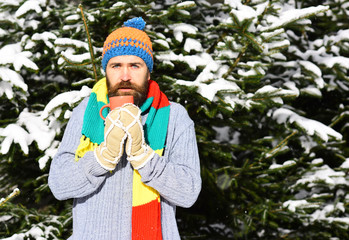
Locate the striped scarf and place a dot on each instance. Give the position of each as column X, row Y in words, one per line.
column 146, row 208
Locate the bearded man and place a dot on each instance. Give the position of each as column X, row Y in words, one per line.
column 128, row 173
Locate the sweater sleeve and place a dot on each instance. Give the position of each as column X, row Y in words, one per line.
column 176, row 175
column 67, row 177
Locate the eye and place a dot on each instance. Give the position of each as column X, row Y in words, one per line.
column 135, row 66
column 115, row 66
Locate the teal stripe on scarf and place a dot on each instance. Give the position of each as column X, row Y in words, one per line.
column 154, row 127
column 156, row 123
column 93, row 126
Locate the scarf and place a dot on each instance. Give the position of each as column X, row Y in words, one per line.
column 146, row 208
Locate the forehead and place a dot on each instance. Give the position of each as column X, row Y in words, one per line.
column 126, row 59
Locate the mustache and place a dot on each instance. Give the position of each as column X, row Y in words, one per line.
column 122, row 85
column 112, row 90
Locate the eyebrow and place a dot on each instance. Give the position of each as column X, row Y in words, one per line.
column 131, row 63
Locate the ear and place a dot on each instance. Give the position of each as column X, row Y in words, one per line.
column 148, row 75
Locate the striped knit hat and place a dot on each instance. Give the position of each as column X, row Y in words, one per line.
column 129, row 40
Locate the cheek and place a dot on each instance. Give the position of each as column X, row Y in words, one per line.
column 142, row 77
column 112, row 77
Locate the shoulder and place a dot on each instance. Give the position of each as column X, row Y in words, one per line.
column 179, row 115
column 82, row 105
column 79, row 110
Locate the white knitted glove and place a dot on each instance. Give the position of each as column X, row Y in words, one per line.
column 138, row 152
column 110, row 151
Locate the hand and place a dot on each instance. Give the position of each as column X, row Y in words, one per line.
column 138, row 152
column 109, row 152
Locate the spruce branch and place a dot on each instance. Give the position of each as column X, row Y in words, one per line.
column 237, row 60
column 338, row 119
column 89, row 43
column 276, row 149
column 15, row 193
column 74, row 64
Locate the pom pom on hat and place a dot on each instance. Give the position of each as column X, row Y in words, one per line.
column 129, row 40
column 135, row 23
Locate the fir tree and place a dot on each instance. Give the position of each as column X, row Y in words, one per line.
column 264, row 81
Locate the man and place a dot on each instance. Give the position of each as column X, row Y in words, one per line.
column 127, row 174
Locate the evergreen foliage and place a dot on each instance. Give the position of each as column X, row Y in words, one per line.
column 265, row 82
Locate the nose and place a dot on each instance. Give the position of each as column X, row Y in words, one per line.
column 125, row 75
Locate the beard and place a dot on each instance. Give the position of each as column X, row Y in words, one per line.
column 139, row 93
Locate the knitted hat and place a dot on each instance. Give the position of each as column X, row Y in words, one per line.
column 129, row 40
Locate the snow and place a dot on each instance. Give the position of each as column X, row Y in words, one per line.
column 213, row 73
column 14, row 133
column 322, row 211
column 311, row 67
column 12, row 54
column 71, row 43
column 311, row 127
column 35, row 232
column 235, row 100
column 4, row 218
column 10, row 2
column 75, row 58
column 6, row 88
column 184, row 12
column 342, row 35
column 11, row 79
column 285, row 164
column 119, row 4
column 317, row 161
column 292, row 205
column 180, row 28
column 210, row 90
column 68, row 97
column 324, row 174
column 74, row 17
column 3, row 32
column 268, row 35
column 37, row 128
column 49, row 154
column 292, row 86
column 323, row 214
column 241, row 11
column 192, row 44
column 29, row 127
column 276, row 45
column 289, row 16
column 186, row 4
column 29, row 6
column 331, row 61
column 312, row 91
column 250, row 73
column 273, row 93
column 162, row 42
column 46, row 37
column 193, row 61
column 345, row 164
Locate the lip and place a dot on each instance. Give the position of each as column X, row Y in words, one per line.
column 125, row 89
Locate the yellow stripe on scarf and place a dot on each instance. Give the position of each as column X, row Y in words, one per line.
column 142, row 193
column 84, row 146
column 101, row 91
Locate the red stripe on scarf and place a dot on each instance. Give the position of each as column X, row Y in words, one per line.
column 160, row 99
column 142, row 228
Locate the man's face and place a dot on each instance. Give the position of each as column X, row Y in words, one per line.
column 128, row 75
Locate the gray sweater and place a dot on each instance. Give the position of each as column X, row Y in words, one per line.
column 103, row 200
